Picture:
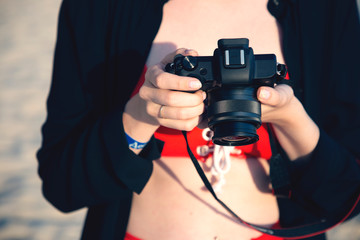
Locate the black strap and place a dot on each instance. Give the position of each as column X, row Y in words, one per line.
column 303, row 231
column 279, row 172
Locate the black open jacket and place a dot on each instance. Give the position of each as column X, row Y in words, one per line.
column 101, row 49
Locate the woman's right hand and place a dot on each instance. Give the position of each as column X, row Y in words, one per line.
column 167, row 102
column 164, row 99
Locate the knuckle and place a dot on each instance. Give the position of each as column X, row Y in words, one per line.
column 142, row 92
column 286, row 93
column 189, row 125
column 201, row 108
column 154, row 75
column 180, row 50
column 149, row 110
column 170, row 98
column 291, row 91
column 194, row 52
column 201, row 97
column 158, row 80
column 178, row 84
column 182, row 114
column 150, row 72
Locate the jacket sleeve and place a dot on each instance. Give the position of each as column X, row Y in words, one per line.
column 330, row 177
column 84, row 158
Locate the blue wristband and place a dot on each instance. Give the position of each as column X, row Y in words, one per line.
column 135, row 144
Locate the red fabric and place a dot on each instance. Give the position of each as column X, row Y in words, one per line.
column 266, row 237
column 128, row 236
column 269, row 237
column 175, row 144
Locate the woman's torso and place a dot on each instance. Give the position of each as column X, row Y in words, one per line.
column 174, row 204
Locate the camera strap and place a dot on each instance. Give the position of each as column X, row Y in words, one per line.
column 303, row 231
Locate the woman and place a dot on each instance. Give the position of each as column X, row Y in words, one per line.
column 102, row 49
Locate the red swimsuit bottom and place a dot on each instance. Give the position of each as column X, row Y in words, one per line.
column 128, row 236
column 199, row 142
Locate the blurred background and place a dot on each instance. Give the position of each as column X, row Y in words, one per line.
column 27, row 38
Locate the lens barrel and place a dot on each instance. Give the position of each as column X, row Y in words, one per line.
column 234, row 114
column 234, row 133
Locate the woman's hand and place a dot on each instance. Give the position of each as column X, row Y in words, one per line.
column 163, row 100
column 167, row 102
column 295, row 130
column 276, row 103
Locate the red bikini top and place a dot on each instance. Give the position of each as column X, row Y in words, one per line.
column 199, row 142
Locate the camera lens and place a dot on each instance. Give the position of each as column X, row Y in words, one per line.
column 234, row 116
column 234, row 138
column 234, row 133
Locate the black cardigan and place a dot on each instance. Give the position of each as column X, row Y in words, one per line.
column 101, row 48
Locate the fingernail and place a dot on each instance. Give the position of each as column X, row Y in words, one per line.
column 204, row 95
column 195, row 84
column 264, row 94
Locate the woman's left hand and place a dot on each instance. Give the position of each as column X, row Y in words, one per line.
column 297, row 133
column 276, row 103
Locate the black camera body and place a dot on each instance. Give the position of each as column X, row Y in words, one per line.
column 231, row 77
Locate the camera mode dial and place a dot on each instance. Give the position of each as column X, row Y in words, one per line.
column 189, row 63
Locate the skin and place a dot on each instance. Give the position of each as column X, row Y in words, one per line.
column 174, row 192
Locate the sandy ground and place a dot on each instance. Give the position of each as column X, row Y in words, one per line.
column 27, row 36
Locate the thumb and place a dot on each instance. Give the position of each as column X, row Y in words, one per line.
column 275, row 97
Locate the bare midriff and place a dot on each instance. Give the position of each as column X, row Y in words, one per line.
column 174, row 203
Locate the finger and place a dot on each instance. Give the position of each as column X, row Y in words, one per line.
column 159, row 79
column 172, row 98
column 183, row 125
column 183, row 51
column 177, row 113
column 278, row 96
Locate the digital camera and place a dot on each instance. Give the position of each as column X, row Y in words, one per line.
column 231, row 77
